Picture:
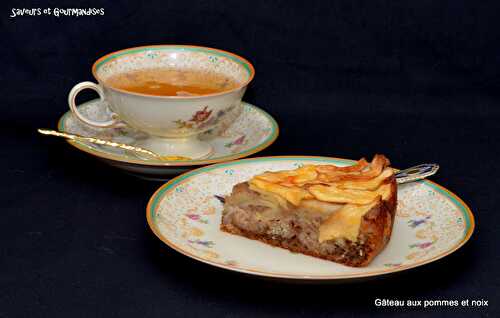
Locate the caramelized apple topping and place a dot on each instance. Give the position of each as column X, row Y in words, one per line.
column 353, row 184
column 378, row 164
column 360, row 165
column 359, row 187
column 345, row 223
column 294, row 195
column 334, row 194
column 371, row 184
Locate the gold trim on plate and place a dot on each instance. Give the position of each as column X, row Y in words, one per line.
column 179, row 163
column 182, row 178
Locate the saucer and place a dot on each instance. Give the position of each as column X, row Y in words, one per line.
column 252, row 131
column 430, row 223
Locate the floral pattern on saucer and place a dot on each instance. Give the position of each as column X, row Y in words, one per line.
column 246, row 130
column 430, row 223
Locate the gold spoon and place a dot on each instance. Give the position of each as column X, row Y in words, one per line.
column 111, row 144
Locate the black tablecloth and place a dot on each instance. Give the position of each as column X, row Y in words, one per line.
column 417, row 81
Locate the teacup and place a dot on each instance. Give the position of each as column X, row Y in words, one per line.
column 172, row 123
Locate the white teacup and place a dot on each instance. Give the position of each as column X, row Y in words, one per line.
column 172, row 122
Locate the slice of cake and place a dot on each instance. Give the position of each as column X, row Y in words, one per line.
column 342, row 214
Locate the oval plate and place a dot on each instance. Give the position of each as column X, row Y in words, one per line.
column 431, row 222
column 252, row 131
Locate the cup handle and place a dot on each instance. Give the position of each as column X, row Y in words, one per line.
column 72, row 105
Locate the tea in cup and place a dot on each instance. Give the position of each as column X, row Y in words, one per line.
column 173, row 93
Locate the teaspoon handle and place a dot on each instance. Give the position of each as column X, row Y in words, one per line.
column 416, row 173
column 97, row 141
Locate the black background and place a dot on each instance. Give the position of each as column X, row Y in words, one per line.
column 415, row 80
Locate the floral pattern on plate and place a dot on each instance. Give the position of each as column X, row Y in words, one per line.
column 430, row 223
column 247, row 130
